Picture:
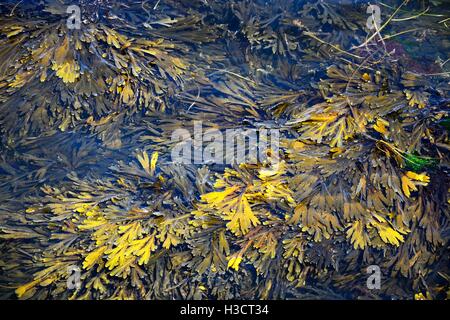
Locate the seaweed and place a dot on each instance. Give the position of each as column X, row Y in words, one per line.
column 87, row 180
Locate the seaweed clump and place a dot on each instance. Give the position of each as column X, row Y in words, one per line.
column 360, row 177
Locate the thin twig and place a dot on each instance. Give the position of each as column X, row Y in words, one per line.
column 400, row 33
column 384, row 25
column 413, row 17
column 14, row 8
column 426, row 14
column 196, row 99
column 310, row 34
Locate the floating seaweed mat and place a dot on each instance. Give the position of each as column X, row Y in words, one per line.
column 93, row 207
column 89, row 76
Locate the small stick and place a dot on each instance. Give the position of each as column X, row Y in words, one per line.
column 14, row 8
column 400, row 33
column 310, row 34
column 413, row 17
column 384, row 25
column 427, row 14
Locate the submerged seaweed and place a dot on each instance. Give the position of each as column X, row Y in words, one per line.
column 87, row 181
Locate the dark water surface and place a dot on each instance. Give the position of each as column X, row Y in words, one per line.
column 90, row 194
